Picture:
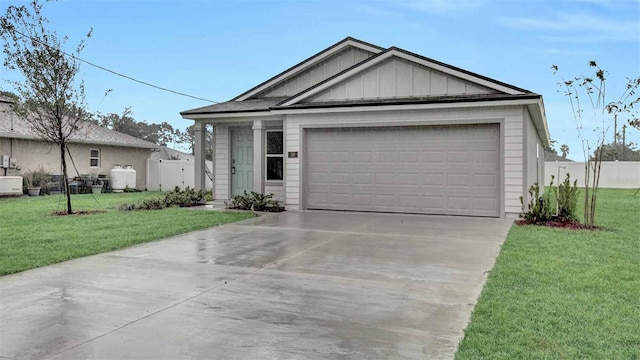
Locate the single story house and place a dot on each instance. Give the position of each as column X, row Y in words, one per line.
column 364, row 128
column 94, row 149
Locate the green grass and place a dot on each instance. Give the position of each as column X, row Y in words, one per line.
column 563, row 294
column 31, row 237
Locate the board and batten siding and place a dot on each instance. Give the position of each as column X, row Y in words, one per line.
column 317, row 73
column 399, row 78
column 511, row 117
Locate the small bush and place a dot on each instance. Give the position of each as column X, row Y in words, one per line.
column 539, row 209
column 187, row 198
column 39, row 177
column 567, row 198
column 152, row 204
column 255, row 202
column 179, row 198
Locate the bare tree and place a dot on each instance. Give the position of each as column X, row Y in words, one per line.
column 53, row 99
column 589, row 92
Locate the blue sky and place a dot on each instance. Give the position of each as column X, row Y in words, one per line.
column 218, row 49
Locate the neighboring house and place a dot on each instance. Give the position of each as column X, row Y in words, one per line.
column 360, row 127
column 94, row 149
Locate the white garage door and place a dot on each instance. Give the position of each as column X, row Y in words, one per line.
column 422, row 169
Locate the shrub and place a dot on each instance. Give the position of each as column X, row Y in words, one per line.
column 255, row 202
column 567, row 198
column 38, row 177
column 187, row 198
column 152, row 204
column 539, row 209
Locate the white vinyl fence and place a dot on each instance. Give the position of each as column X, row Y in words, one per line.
column 165, row 175
column 613, row 174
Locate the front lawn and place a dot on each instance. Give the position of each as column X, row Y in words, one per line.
column 564, row 294
column 31, row 237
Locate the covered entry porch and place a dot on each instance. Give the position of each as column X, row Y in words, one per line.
column 247, row 155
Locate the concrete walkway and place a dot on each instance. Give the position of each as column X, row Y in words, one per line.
column 297, row 285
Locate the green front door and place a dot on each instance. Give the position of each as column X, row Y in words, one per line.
column 241, row 160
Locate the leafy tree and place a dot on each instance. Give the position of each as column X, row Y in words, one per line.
column 587, row 92
column 621, row 152
column 10, row 95
column 53, row 99
column 565, row 150
column 161, row 134
column 187, row 138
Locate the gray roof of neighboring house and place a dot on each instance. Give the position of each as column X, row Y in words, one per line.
column 165, row 153
column 233, row 106
column 13, row 126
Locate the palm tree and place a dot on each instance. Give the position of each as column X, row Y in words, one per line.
column 565, row 150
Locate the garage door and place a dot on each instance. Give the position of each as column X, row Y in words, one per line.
column 422, row 169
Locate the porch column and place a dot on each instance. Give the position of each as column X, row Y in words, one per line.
column 199, row 129
column 258, row 156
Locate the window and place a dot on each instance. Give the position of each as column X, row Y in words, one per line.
column 275, row 156
column 94, row 157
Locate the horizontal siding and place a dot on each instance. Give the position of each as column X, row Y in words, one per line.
column 221, row 133
column 276, row 190
column 513, row 163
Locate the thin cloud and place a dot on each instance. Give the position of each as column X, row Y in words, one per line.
column 568, row 51
column 574, row 26
column 440, row 6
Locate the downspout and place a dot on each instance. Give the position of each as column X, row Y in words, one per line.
column 11, row 139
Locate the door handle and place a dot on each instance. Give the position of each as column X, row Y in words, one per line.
column 233, row 170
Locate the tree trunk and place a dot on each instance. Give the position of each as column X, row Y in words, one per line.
column 587, row 172
column 65, row 177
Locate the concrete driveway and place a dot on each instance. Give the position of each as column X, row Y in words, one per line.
column 297, row 285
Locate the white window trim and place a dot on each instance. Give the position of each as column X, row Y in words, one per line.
column 92, row 157
column 267, row 156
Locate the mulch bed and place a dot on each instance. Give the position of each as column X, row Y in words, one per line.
column 557, row 223
column 85, row 212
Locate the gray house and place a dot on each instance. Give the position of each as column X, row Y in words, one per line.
column 363, row 128
column 94, row 149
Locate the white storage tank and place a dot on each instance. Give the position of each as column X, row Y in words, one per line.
column 118, row 178
column 131, row 176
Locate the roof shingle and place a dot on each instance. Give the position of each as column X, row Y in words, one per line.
column 13, row 126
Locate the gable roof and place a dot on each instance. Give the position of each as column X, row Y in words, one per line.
column 483, row 89
column 243, row 103
column 13, row 126
column 307, row 63
column 412, row 57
